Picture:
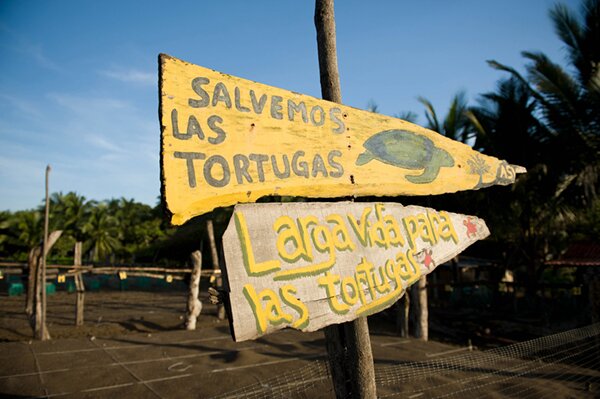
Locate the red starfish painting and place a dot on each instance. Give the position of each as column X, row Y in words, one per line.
column 471, row 227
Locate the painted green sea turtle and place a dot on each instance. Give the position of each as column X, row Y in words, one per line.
column 406, row 150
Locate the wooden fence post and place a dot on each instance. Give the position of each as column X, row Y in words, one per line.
column 36, row 285
column 79, row 285
column 32, row 262
column 44, row 335
column 348, row 344
column 215, row 260
column 194, row 306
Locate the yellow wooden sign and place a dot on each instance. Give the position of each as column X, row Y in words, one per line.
column 227, row 140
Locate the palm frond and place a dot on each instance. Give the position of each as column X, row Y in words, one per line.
column 432, row 119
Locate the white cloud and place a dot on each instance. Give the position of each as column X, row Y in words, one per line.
column 103, row 143
column 131, row 76
column 90, row 105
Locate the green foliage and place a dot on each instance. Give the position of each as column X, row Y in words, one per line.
column 115, row 230
column 549, row 122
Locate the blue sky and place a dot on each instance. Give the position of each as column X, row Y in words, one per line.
column 79, row 80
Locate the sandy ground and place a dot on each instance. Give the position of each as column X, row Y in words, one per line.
column 133, row 345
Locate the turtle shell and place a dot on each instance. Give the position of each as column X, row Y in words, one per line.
column 401, row 148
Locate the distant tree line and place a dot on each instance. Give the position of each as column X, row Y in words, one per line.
column 112, row 231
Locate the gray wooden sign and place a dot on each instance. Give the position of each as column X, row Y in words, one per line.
column 309, row 265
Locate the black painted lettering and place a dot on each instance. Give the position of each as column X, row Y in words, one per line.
column 339, row 169
column 189, row 158
column 176, row 133
column 238, row 102
column 318, row 166
column 212, row 124
column 286, row 167
column 321, row 115
column 259, row 105
column 193, row 128
column 259, row 159
column 221, row 94
column 293, row 108
column 240, row 165
column 204, row 97
column 299, row 167
column 276, row 107
column 209, row 174
column 334, row 114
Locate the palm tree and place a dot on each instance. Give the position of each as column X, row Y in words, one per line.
column 456, row 124
column 70, row 213
column 549, row 122
column 102, row 233
column 569, row 105
column 29, row 227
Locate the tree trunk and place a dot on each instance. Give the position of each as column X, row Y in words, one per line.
column 194, row 306
column 348, row 344
column 215, row 260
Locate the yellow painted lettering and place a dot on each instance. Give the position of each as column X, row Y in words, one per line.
column 339, row 233
column 303, row 224
column 348, row 298
column 360, row 226
column 446, row 229
column 411, row 226
column 426, row 230
column 366, row 268
column 253, row 268
column 288, row 232
column 393, row 231
column 288, row 294
column 259, row 313
column 328, row 281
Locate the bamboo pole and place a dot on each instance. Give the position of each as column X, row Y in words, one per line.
column 348, row 344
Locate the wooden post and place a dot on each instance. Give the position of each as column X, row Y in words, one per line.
column 194, row 306
column 32, row 261
column 34, row 291
column 215, row 260
column 40, row 316
column 420, row 307
column 79, row 285
column 348, row 344
column 402, row 315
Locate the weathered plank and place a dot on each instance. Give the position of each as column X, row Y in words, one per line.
column 309, row 265
column 227, row 140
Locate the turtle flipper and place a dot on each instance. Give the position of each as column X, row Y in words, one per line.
column 428, row 175
column 364, row 158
